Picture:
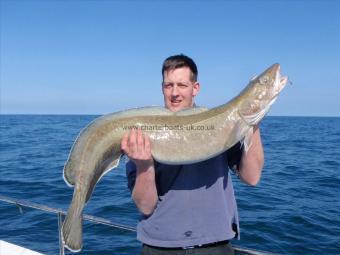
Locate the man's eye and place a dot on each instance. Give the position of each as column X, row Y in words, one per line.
column 167, row 85
column 182, row 85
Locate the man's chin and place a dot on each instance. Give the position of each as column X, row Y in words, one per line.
column 177, row 107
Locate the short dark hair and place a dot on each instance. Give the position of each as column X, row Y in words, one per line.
column 178, row 61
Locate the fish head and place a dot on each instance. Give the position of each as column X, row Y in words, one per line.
column 270, row 83
column 261, row 93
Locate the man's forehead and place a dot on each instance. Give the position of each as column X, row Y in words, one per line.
column 178, row 74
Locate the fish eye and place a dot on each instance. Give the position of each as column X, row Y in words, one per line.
column 264, row 80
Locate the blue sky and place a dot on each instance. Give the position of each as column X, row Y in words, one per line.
column 96, row 57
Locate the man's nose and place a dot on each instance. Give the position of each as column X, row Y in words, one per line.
column 174, row 90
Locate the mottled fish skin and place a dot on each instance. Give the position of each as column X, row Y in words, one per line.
column 97, row 148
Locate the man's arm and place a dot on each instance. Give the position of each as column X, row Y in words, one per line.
column 137, row 147
column 252, row 161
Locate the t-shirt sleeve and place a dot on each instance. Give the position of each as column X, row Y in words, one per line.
column 130, row 168
column 234, row 155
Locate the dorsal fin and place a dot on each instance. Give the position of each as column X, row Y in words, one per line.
column 191, row 111
column 149, row 110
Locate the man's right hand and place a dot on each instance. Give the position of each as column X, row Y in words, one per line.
column 137, row 147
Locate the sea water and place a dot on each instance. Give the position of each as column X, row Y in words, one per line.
column 295, row 209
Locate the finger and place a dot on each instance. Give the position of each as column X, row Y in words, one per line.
column 132, row 142
column 140, row 141
column 147, row 145
column 123, row 144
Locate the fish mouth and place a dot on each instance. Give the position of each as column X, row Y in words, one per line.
column 280, row 80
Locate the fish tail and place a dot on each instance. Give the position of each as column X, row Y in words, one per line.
column 72, row 227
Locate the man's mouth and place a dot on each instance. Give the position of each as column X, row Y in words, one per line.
column 175, row 102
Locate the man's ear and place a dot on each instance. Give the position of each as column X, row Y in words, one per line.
column 196, row 88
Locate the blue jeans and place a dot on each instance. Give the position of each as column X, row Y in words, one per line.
column 220, row 249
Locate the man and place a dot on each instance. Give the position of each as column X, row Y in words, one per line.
column 188, row 206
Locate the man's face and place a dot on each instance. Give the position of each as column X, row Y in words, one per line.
column 178, row 89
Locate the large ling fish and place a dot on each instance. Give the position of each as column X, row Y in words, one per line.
column 184, row 137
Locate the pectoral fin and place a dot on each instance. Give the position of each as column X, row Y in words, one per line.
column 247, row 141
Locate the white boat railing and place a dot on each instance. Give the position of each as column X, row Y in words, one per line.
column 98, row 220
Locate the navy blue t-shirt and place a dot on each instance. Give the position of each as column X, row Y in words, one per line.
column 196, row 202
